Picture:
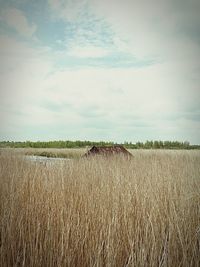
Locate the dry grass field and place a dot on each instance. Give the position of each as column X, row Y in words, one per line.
column 97, row 212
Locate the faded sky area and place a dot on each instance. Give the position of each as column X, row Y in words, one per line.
column 100, row 70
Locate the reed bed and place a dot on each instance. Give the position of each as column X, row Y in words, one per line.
column 101, row 212
column 70, row 153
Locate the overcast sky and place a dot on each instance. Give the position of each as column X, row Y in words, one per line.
column 100, row 70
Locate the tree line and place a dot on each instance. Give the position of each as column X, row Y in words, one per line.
column 81, row 144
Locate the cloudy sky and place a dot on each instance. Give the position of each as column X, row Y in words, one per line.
column 100, row 70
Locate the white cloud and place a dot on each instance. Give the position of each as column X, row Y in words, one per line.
column 91, row 103
column 69, row 10
column 141, row 92
column 159, row 30
column 16, row 19
column 88, row 52
column 131, row 23
column 146, row 30
column 22, row 73
column 86, row 35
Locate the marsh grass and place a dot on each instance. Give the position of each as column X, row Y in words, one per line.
column 53, row 152
column 100, row 212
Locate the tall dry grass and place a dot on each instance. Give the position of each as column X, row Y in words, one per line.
column 141, row 212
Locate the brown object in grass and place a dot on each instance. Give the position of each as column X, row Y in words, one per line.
column 108, row 151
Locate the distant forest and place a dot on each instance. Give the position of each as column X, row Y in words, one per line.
column 82, row 144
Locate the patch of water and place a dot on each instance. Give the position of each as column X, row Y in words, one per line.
column 45, row 160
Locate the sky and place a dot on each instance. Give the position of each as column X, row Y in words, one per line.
column 100, row 70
